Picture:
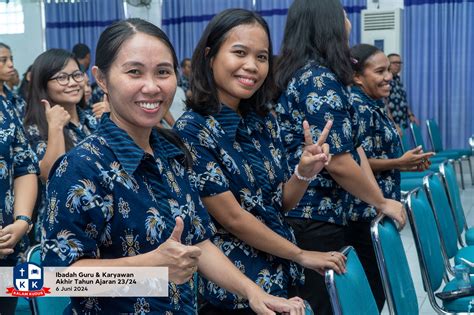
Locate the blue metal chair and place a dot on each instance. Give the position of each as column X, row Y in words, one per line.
column 444, row 218
column 454, row 196
column 428, row 247
column 45, row 305
column 393, row 265
column 350, row 292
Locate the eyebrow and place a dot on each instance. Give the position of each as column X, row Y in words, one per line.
column 245, row 47
column 139, row 64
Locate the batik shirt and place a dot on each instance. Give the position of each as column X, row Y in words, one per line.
column 184, row 83
column 110, row 199
column 316, row 95
column 87, row 124
column 380, row 140
column 243, row 156
column 397, row 102
column 18, row 102
column 16, row 159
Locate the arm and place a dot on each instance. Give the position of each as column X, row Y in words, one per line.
column 216, row 267
column 241, row 223
column 364, row 164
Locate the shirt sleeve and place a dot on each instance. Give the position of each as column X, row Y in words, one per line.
column 24, row 160
column 210, row 178
column 76, row 213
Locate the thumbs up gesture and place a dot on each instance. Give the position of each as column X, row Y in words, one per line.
column 315, row 155
column 101, row 107
column 180, row 259
column 56, row 115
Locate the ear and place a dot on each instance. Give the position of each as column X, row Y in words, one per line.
column 358, row 79
column 100, row 78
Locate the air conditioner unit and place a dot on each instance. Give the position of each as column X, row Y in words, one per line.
column 383, row 29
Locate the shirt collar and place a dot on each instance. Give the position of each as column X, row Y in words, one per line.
column 127, row 151
column 9, row 94
column 367, row 99
column 229, row 121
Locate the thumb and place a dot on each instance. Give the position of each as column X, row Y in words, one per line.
column 178, row 230
column 46, row 104
column 105, row 98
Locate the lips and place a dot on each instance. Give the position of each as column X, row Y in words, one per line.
column 247, row 81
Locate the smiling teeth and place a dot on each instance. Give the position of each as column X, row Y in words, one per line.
column 250, row 81
column 149, row 105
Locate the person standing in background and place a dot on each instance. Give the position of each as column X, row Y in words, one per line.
column 185, row 76
column 83, row 56
column 397, row 102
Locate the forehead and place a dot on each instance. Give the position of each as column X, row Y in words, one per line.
column 253, row 35
column 70, row 65
column 4, row 51
column 145, row 49
column 394, row 58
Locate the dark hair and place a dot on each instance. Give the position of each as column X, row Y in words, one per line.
column 204, row 99
column 24, row 85
column 360, row 53
column 43, row 69
column 4, row 46
column 80, row 50
column 108, row 47
column 314, row 30
column 184, row 61
column 393, row 55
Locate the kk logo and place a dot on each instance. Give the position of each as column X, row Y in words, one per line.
column 28, row 281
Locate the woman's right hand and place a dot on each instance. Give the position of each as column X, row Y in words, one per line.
column 263, row 303
column 321, row 261
column 180, row 259
column 395, row 210
column 56, row 116
column 414, row 160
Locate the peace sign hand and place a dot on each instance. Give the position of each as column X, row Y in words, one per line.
column 315, row 155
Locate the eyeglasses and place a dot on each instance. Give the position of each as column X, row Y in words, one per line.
column 3, row 60
column 63, row 78
column 397, row 62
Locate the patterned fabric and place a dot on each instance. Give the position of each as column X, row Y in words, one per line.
column 243, row 156
column 397, row 102
column 16, row 159
column 97, row 94
column 315, row 94
column 109, row 199
column 87, row 124
column 183, row 82
column 18, row 102
column 380, row 140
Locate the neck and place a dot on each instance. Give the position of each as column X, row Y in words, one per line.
column 141, row 137
column 2, row 92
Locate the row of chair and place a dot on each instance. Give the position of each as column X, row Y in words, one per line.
column 437, row 222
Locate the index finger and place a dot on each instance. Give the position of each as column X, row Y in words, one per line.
column 325, row 133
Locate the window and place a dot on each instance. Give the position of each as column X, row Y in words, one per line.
column 11, row 18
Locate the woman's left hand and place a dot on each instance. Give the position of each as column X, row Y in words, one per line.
column 315, row 155
column 264, row 303
column 11, row 235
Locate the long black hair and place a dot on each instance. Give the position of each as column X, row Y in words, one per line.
column 108, row 47
column 43, row 69
column 314, row 30
column 204, row 99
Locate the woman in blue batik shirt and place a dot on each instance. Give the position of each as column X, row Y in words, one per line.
column 18, row 179
column 55, row 119
column 241, row 173
column 312, row 75
column 123, row 197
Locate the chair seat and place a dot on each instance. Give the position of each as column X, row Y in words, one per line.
column 410, row 175
column 457, row 305
column 466, row 253
column 469, row 236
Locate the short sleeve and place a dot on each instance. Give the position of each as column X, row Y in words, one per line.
column 24, row 159
column 37, row 143
column 210, row 179
column 76, row 213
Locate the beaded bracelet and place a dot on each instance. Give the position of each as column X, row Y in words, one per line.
column 301, row 177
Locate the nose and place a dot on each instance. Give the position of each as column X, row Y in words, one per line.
column 251, row 64
column 150, row 85
column 388, row 76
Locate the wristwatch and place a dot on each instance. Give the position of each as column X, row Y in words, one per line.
column 27, row 219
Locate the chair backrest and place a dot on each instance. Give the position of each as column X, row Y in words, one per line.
column 443, row 215
column 427, row 241
column 435, row 135
column 417, row 137
column 406, row 141
column 449, row 176
column 393, row 265
column 45, row 305
column 350, row 292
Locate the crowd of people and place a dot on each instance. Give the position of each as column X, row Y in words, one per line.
column 277, row 163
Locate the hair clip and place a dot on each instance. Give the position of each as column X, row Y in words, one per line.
column 354, row 61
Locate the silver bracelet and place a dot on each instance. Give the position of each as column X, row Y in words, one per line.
column 300, row 177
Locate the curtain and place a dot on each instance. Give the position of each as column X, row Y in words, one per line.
column 438, row 46
column 353, row 8
column 69, row 23
column 184, row 20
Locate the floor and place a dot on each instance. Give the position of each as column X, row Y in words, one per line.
column 467, row 198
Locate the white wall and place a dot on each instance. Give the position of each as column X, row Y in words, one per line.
column 384, row 4
column 151, row 14
column 27, row 46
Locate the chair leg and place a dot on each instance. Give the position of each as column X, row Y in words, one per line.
column 470, row 169
column 462, row 174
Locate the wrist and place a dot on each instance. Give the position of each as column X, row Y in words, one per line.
column 302, row 177
column 24, row 225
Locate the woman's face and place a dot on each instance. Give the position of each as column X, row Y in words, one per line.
column 69, row 94
column 87, row 89
column 375, row 80
column 140, row 84
column 241, row 64
column 6, row 64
